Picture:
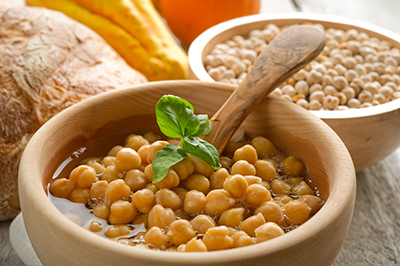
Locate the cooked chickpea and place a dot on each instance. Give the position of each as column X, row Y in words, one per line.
column 247, row 153
column 250, row 224
column 97, row 191
column 297, row 212
column 168, row 198
column 181, row 192
column 61, row 187
column 265, row 169
column 218, row 201
column 118, row 230
column 268, row 231
column 218, row 178
column 236, row 185
column 122, row 212
column 184, row 168
column 232, row 217
column 135, row 141
column 95, row 226
column 143, row 153
column 84, row 176
column 257, row 194
column 195, row 202
column 117, row 190
column 170, row 180
column 110, row 174
column 217, row 238
column 291, row 166
column 280, row 187
column 200, row 166
column 314, row 202
column 282, row 200
column 201, row 223
column 243, row 167
column 160, row 217
column 135, row 179
column 79, row 195
column 154, row 148
column 155, row 237
column 302, row 189
column 101, row 210
column 271, row 211
column 127, row 159
column 195, row 245
column 98, row 167
column 241, row 239
column 180, row 232
column 198, row 182
column 251, row 179
column 144, row 200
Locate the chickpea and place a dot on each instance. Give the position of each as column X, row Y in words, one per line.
column 232, row 217
column 218, row 201
column 79, row 195
column 61, row 187
column 241, row 239
column 141, row 220
column 250, row 224
column 317, row 96
column 280, row 187
column 282, row 200
column 101, row 210
column 122, row 212
column 127, row 159
column 314, row 202
column 160, row 217
column 271, row 211
column 114, row 150
column 198, row 182
column 181, row 192
column 110, row 174
column 95, row 226
column 144, row 200
column 297, row 212
column 200, row 166
column 97, row 191
column 217, row 238
column 195, row 202
column 302, row 189
column 195, row 245
column 135, row 141
column 243, row 167
column 315, row 105
column 117, row 190
column 155, row 237
column 84, row 176
column 168, row 198
column 263, row 146
column 268, row 231
column 143, row 153
column 331, row 102
column 252, row 179
column 217, row 178
column 201, row 223
column 265, row 169
column 184, row 168
column 98, row 167
column 291, row 166
column 135, row 179
column 236, row 185
column 257, row 194
column 180, row 232
column 170, row 180
column 154, row 148
column 247, row 153
column 118, row 230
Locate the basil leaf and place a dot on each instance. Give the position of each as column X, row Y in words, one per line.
column 191, row 126
column 205, row 126
column 174, row 116
column 203, row 150
column 164, row 159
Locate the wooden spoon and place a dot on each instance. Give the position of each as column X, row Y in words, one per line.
column 288, row 52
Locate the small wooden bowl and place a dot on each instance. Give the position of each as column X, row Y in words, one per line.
column 95, row 125
column 370, row 134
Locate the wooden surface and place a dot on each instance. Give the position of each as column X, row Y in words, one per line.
column 374, row 236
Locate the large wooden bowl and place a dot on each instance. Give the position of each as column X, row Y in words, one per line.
column 94, row 125
column 370, row 134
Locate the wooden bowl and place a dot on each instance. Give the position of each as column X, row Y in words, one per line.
column 370, row 134
column 96, row 124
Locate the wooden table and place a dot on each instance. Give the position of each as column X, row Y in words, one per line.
column 374, row 235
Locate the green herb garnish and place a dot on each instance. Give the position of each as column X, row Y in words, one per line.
column 176, row 119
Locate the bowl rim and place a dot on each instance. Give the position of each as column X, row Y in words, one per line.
column 344, row 188
column 196, row 49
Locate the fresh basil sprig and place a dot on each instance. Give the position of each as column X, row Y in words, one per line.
column 176, row 119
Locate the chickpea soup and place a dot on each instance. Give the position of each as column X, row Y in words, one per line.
column 258, row 194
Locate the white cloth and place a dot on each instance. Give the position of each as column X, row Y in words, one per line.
column 20, row 242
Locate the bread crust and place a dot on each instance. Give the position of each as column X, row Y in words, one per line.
column 48, row 62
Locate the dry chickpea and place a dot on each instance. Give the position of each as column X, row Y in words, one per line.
column 110, row 174
column 101, row 210
column 62, row 187
column 160, row 217
column 265, row 169
column 195, row 202
column 168, row 198
column 315, row 105
column 243, row 167
column 117, row 230
column 250, row 224
column 314, row 202
column 122, row 212
column 271, row 211
column 180, row 232
column 232, row 217
column 247, row 153
column 184, row 168
column 217, row 238
column 236, row 185
column 198, row 182
column 297, row 212
column 195, row 245
column 155, row 237
column 117, row 190
column 268, row 231
column 79, row 195
column 84, row 176
column 291, row 166
column 144, row 200
column 201, row 223
column 218, row 201
column 257, row 194
column 200, row 166
column 135, row 179
column 97, row 191
column 217, row 178
column 135, row 142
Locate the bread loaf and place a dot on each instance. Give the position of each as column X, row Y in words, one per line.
column 47, row 63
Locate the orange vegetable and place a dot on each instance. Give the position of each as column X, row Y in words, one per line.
column 187, row 19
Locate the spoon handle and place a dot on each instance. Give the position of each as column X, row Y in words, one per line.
column 288, row 52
